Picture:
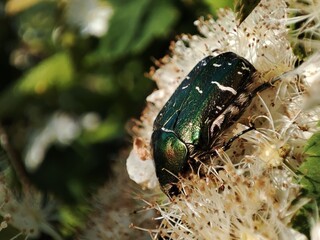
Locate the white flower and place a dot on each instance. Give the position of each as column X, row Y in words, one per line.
column 246, row 204
column 61, row 128
column 90, row 16
column 142, row 172
column 248, row 191
column 315, row 231
column 27, row 213
column 306, row 23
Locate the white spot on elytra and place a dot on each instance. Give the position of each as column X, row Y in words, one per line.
column 244, row 67
column 167, row 130
column 229, row 63
column 184, row 87
column 225, row 88
column 199, row 90
column 240, row 73
column 187, row 77
column 216, row 65
column 219, row 108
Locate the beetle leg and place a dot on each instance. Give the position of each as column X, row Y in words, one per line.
column 267, row 85
column 227, row 145
column 203, row 156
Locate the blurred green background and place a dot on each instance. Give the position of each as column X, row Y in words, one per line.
column 73, row 72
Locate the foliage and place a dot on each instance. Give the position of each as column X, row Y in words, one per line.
column 310, row 168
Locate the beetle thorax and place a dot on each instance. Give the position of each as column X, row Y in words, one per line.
column 170, row 154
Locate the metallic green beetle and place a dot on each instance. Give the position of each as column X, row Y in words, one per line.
column 210, row 99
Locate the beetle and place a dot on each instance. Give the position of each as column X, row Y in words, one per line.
column 209, row 100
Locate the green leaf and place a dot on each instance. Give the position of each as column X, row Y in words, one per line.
column 214, row 5
column 311, row 166
column 54, row 73
column 244, row 8
column 311, row 179
column 158, row 21
column 108, row 129
column 133, row 26
column 123, row 27
column 310, row 183
column 313, row 146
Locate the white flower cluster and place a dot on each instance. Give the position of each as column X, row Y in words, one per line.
column 247, row 192
column 113, row 215
column 61, row 128
column 244, row 201
column 26, row 212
